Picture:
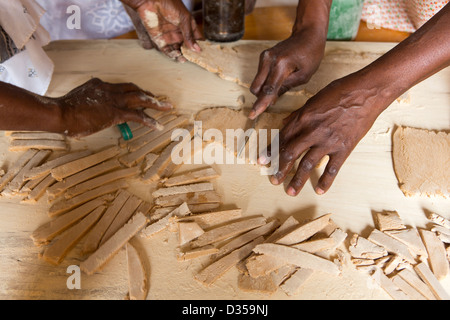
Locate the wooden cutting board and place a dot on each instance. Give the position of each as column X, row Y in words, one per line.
column 365, row 184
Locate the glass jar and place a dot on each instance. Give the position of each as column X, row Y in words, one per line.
column 223, row 20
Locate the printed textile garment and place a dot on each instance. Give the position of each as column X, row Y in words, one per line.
column 400, row 15
column 86, row 19
column 23, row 61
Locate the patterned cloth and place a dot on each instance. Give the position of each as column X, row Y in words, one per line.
column 24, row 63
column 100, row 19
column 400, row 15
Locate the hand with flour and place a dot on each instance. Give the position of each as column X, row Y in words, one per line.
column 293, row 61
column 332, row 122
column 165, row 25
column 89, row 108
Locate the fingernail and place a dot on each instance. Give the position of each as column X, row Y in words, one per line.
column 274, row 180
column 263, row 160
column 197, row 47
column 319, row 191
column 291, row 191
column 252, row 115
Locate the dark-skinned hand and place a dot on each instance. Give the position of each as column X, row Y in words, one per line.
column 165, row 25
column 97, row 105
column 330, row 123
column 288, row 64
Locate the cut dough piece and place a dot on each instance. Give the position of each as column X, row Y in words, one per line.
column 421, row 161
column 223, row 119
column 315, row 246
column 65, row 205
column 262, row 265
column 58, row 188
column 362, row 248
column 227, row 231
column 40, row 189
column 163, row 223
column 192, row 177
column 16, row 167
column 51, row 229
column 149, row 160
column 101, row 180
column 295, row 282
column 297, row 257
column 150, row 137
column 121, row 218
column 107, row 250
column 78, row 165
column 387, row 285
column 160, row 164
column 409, row 290
column 95, row 236
column 188, row 231
column 412, row 239
column 157, row 213
column 211, row 219
column 21, row 145
column 45, row 168
column 437, row 256
column 440, row 220
column 198, row 187
column 214, row 271
column 189, row 198
column 391, row 245
column 261, row 285
column 197, row 252
column 286, row 227
column 17, row 182
column 59, row 247
column 137, row 275
column 133, row 158
column 247, row 237
column 428, row 277
column 388, row 220
column 38, row 135
column 305, row 231
column 413, row 279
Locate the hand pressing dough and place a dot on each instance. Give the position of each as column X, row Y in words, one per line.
column 421, row 161
column 238, row 62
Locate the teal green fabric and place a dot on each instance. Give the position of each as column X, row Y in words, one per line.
column 345, row 17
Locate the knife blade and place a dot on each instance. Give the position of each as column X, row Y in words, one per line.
column 250, row 124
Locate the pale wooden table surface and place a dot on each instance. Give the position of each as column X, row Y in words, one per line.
column 365, row 184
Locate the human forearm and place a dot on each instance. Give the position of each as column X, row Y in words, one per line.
column 424, row 53
column 23, row 110
column 91, row 107
column 313, row 14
